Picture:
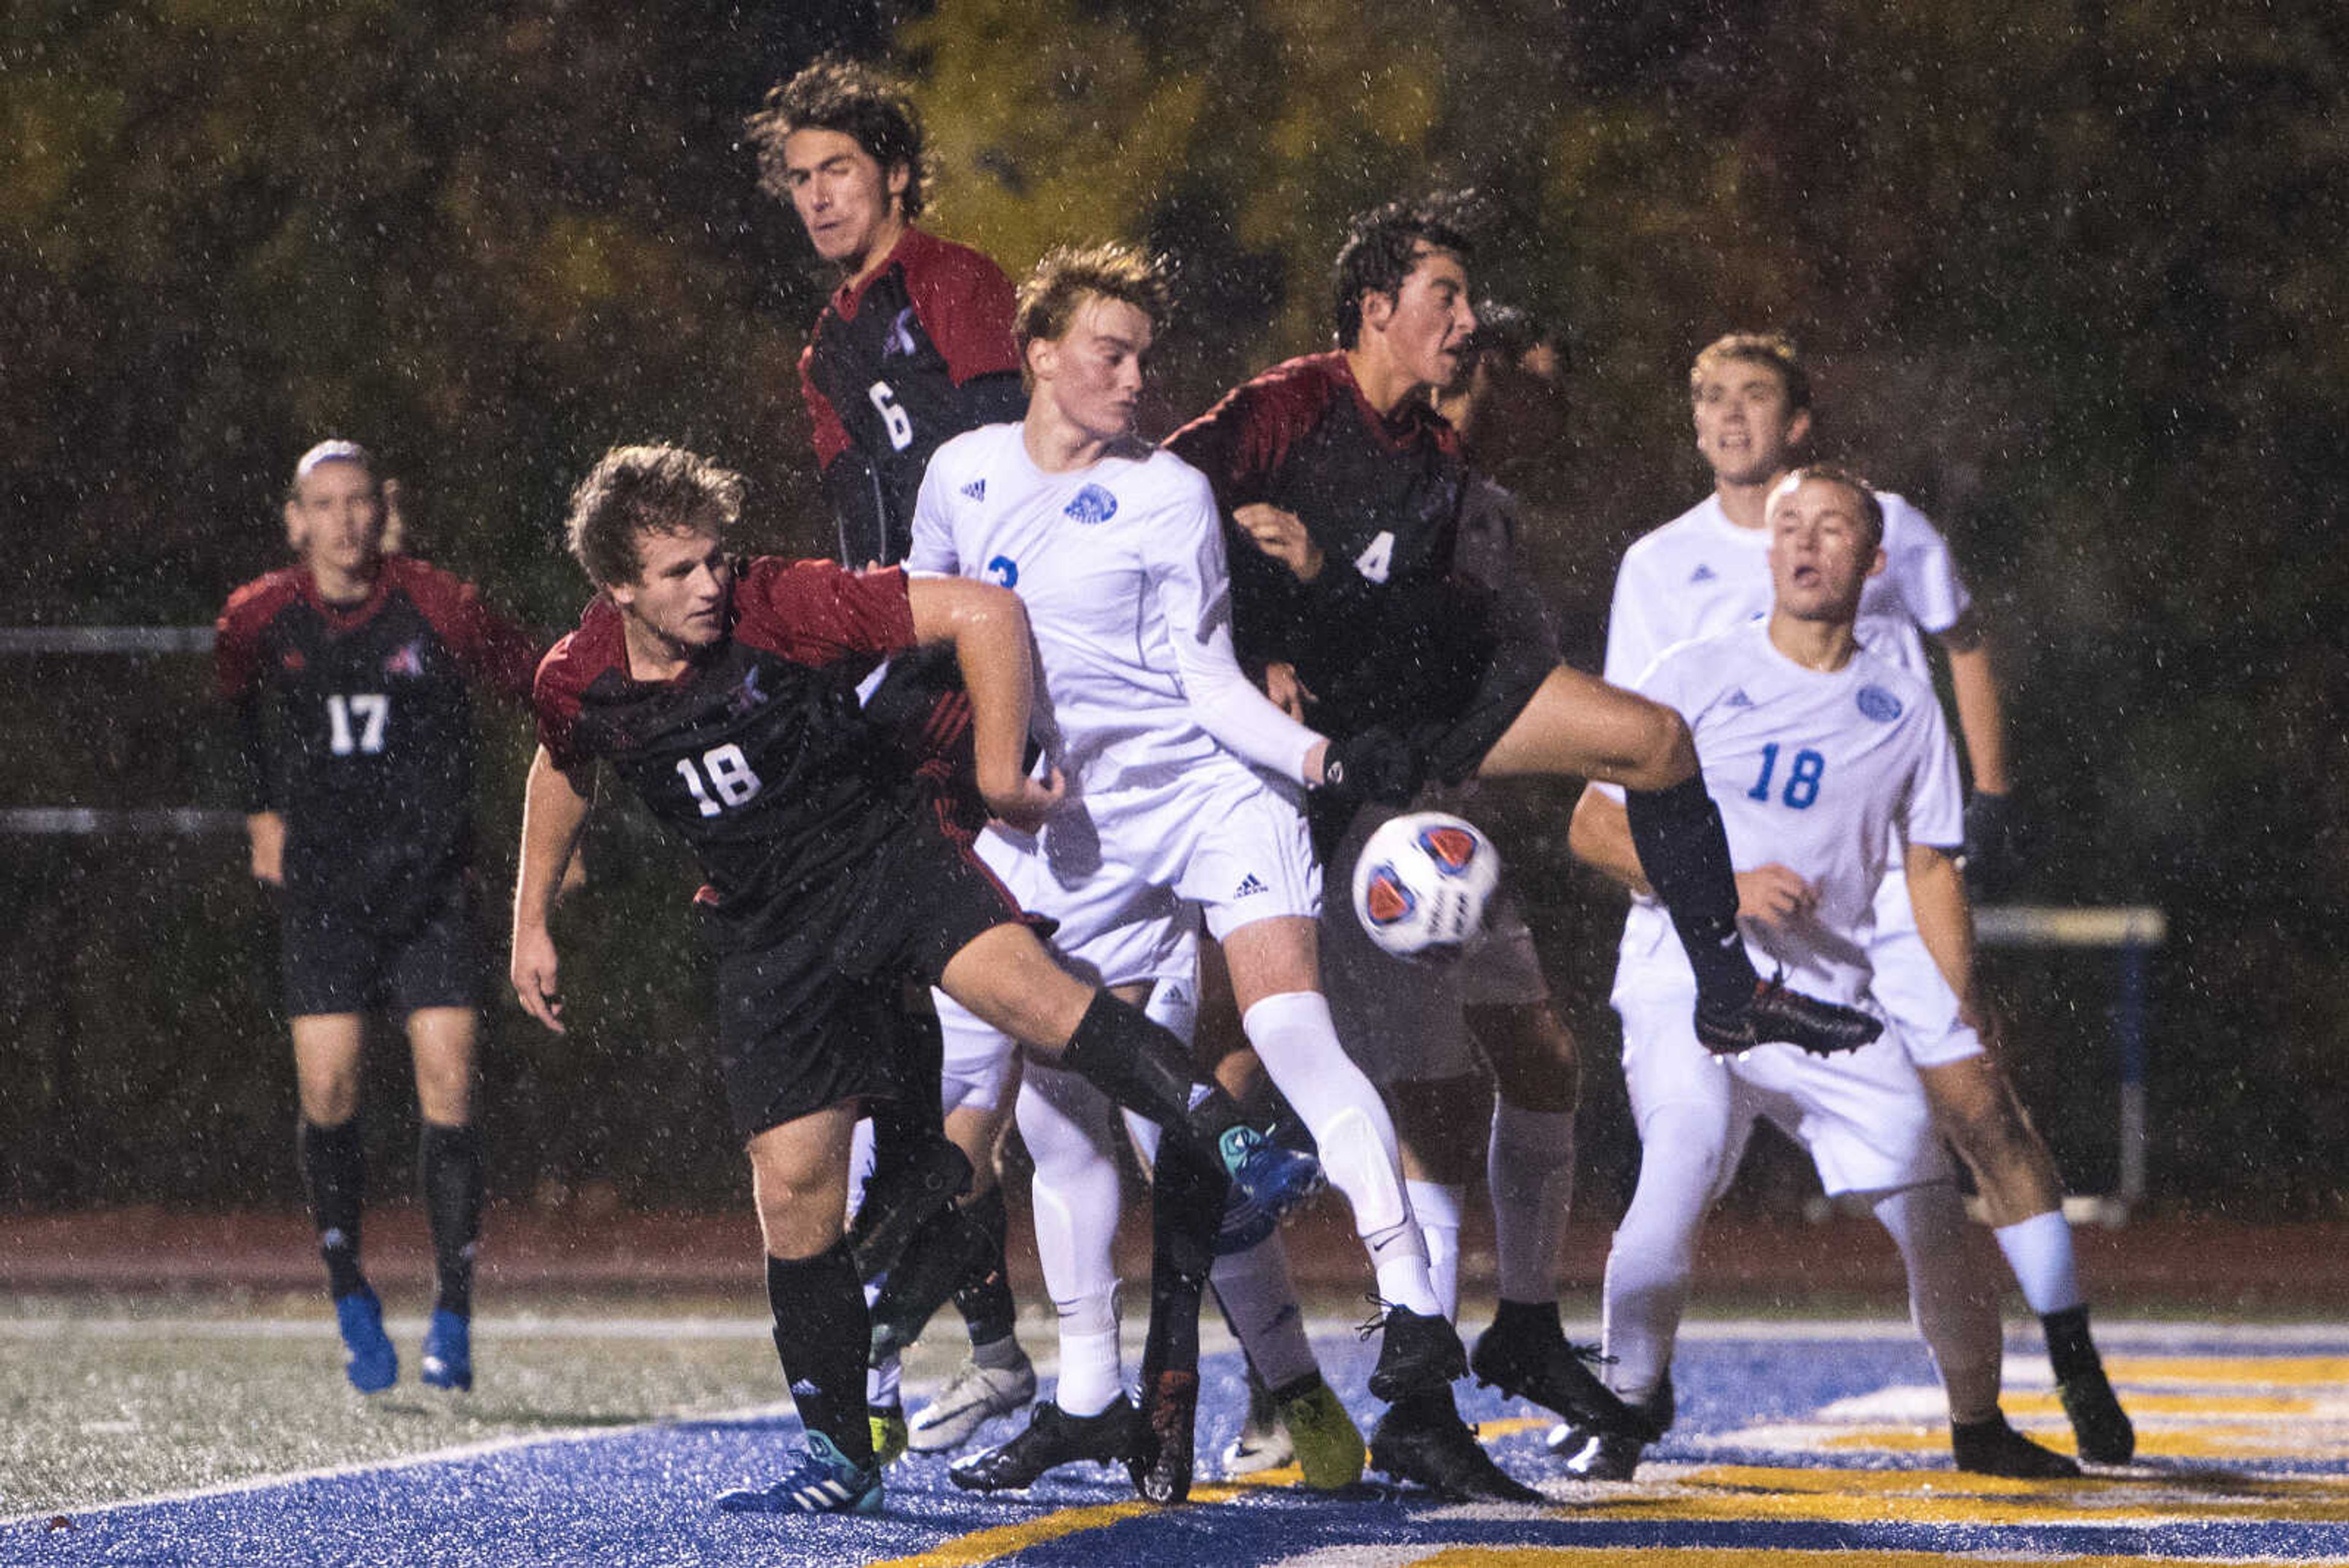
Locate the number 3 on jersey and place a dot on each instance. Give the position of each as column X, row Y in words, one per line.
column 724, row 778
column 899, row 423
column 1802, row 777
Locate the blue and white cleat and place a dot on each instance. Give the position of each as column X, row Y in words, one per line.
column 449, row 1352
column 373, row 1364
column 1270, row 1181
column 825, row 1481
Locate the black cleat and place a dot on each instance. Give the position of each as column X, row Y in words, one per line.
column 1529, row 1357
column 1774, row 1013
column 1419, row 1353
column 1420, row 1446
column 1991, row 1448
column 899, row 1196
column 1594, row 1454
column 1053, row 1438
column 2098, row 1423
column 1162, row 1468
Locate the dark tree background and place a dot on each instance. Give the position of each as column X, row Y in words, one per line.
column 2070, row 273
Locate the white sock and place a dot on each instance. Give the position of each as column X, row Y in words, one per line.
column 2039, row 1250
column 1529, row 1168
column 1436, row 1206
column 1093, row 1374
column 1258, row 1298
column 1647, row 1268
column 1292, row 1034
column 1953, row 1305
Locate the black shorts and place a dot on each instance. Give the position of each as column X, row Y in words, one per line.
column 339, row 961
column 811, row 1018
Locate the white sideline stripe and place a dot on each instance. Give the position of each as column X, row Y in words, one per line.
column 106, row 640
column 184, row 822
column 2110, row 1332
column 2048, row 925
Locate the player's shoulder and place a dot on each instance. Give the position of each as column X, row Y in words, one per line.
column 597, row 644
column 1905, row 526
column 932, row 266
column 974, row 449
column 1889, row 693
column 1666, row 539
column 432, row 588
column 256, row 603
column 1167, row 472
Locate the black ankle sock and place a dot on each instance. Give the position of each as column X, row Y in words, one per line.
column 334, row 1170
column 1538, row 1317
column 1684, row 852
column 448, row 1162
column 1427, row 1404
column 822, row 1334
column 2070, row 1351
column 984, row 1298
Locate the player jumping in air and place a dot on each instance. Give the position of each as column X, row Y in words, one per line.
column 724, row 694
column 350, row 674
column 1706, row 571
column 1344, row 489
column 1829, row 760
column 914, row 347
column 1185, row 794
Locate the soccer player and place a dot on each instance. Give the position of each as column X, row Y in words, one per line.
column 1706, row 571
column 724, row 694
column 914, row 347
column 1185, row 789
column 1828, row 758
column 350, row 671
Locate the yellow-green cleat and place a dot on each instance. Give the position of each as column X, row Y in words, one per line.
column 888, row 1433
column 1328, row 1445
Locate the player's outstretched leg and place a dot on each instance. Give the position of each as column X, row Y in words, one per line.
column 2039, row 1250
column 333, row 1168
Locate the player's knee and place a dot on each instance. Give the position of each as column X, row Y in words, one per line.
column 1667, row 752
column 1536, row 1065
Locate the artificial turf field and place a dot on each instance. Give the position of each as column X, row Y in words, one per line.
column 221, row 1433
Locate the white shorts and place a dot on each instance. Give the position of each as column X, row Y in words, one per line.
column 1403, row 1023
column 1128, row 877
column 1862, row 1114
column 1911, row 986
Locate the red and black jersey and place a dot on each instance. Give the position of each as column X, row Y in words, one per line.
column 757, row 755
column 896, row 366
column 1387, row 633
column 359, row 726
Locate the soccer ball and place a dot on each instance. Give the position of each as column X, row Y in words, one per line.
column 1423, row 882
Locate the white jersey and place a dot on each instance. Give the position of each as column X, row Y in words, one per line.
column 1821, row 772
column 1121, row 564
column 1701, row 574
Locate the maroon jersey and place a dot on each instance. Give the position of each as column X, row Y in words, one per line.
column 916, row 354
column 757, row 755
column 358, row 727
column 1387, row 633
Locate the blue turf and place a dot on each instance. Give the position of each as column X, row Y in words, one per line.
column 642, row 1497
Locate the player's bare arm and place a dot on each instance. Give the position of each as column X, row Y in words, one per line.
column 266, row 831
column 987, row 629
column 1981, row 708
column 1945, row 919
column 555, row 810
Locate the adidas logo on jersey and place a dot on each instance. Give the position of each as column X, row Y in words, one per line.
column 1738, row 699
column 1249, row 887
column 803, row 1390
column 1703, row 574
column 974, row 491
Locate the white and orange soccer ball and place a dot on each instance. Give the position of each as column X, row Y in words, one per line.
column 1423, row 882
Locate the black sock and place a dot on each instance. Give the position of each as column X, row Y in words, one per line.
column 448, row 1162
column 984, row 1298
column 1427, row 1404
column 1186, row 1206
column 1144, row 1067
column 822, row 1334
column 1684, row 852
column 2070, row 1351
column 334, row 1170
column 1533, row 1317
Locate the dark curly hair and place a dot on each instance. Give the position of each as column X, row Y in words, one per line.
column 1384, row 243
column 858, row 101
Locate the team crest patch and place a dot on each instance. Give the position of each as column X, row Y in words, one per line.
column 974, row 491
column 746, row 696
column 901, row 335
column 409, row 661
column 1878, row 704
column 1093, row 504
